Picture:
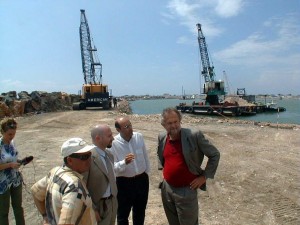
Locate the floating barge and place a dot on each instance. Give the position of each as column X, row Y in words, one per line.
column 227, row 110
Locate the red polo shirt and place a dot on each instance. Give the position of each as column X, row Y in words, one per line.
column 176, row 172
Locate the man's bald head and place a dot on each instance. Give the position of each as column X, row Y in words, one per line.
column 102, row 136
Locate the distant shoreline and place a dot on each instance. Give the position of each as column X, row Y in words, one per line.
column 188, row 97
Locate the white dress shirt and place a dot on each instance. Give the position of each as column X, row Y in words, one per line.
column 120, row 148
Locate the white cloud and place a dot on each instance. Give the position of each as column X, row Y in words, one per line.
column 249, row 48
column 188, row 13
column 229, row 8
column 271, row 53
column 185, row 13
column 259, row 49
column 270, row 58
column 182, row 8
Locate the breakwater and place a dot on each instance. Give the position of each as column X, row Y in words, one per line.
column 290, row 116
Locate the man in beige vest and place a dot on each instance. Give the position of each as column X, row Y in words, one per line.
column 62, row 196
column 100, row 179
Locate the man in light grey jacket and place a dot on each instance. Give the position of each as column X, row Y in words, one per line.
column 100, row 179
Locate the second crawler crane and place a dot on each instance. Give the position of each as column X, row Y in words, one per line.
column 212, row 88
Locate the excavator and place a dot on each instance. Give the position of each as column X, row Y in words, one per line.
column 94, row 92
column 212, row 88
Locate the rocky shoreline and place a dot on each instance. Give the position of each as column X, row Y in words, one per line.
column 41, row 102
column 22, row 103
column 189, row 119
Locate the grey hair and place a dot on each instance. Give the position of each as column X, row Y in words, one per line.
column 167, row 111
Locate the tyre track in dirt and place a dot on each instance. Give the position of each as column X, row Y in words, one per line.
column 257, row 181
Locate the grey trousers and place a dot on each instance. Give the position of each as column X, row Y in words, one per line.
column 180, row 204
column 108, row 211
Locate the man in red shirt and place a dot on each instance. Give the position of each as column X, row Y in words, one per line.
column 180, row 154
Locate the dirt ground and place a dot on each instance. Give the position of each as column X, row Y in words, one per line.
column 257, row 181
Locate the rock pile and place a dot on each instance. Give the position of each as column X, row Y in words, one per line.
column 236, row 100
column 124, row 106
column 13, row 104
column 36, row 102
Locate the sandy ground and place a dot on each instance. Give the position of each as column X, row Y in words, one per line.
column 257, row 181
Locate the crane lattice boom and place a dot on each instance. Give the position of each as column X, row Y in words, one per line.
column 91, row 66
column 207, row 70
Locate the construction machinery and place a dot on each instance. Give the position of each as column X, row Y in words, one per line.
column 94, row 93
column 235, row 105
column 212, row 88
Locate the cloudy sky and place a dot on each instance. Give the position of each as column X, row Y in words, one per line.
column 150, row 47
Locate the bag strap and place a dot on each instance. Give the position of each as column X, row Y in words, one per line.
column 81, row 214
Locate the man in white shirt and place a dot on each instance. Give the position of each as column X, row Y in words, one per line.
column 132, row 166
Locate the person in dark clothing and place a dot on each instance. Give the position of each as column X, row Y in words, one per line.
column 115, row 101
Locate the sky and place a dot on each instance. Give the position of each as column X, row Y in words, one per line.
column 150, row 47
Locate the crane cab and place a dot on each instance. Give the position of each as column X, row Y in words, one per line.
column 214, row 88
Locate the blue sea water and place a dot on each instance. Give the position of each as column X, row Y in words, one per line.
column 290, row 116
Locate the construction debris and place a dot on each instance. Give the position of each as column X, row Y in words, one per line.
column 124, row 107
column 23, row 103
column 236, row 100
column 36, row 102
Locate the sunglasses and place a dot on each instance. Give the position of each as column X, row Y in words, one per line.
column 11, row 126
column 81, row 157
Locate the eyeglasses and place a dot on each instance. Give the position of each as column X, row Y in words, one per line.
column 128, row 126
column 81, row 157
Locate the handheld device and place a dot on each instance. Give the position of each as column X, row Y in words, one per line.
column 25, row 160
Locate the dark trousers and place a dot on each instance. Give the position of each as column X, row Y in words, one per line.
column 15, row 194
column 132, row 193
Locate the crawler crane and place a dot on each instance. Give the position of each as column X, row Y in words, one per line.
column 212, row 88
column 94, row 93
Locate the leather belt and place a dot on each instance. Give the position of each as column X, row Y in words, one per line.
column 106, row 198
column 136, row 176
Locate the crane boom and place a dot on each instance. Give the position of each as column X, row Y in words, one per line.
column 207, row 70
column 91, row 66
column 212, row 88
